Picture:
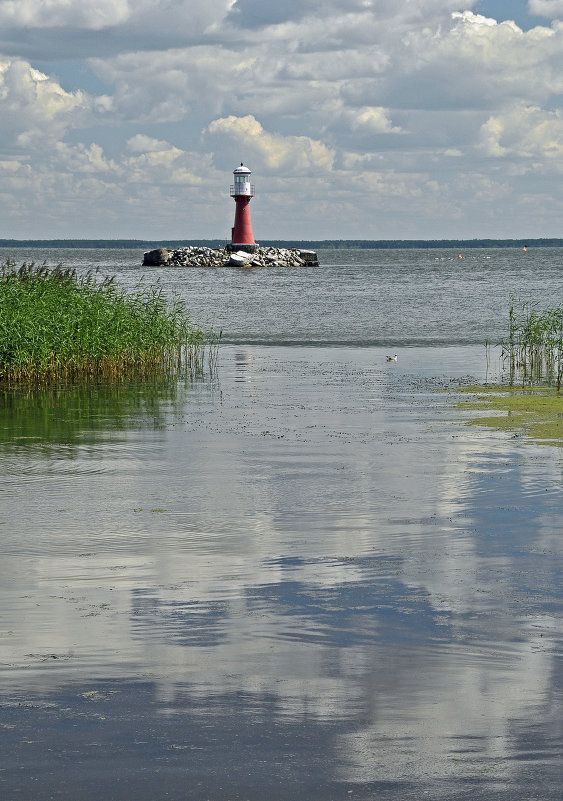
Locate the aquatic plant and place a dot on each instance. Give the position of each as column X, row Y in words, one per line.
column 55, row 324
column 533, row 348
column 532, row 412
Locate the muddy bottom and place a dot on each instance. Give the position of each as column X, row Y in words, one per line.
column 302, row 577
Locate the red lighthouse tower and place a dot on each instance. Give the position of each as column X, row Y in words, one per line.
column 242, row 190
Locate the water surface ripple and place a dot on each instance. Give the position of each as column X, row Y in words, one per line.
column 384, row 298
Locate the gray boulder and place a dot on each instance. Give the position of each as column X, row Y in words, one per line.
column 155, row 258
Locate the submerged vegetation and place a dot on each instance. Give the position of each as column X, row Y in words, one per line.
column 57, row 325
column 535, row 412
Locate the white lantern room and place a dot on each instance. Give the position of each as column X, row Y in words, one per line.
column 242, row 185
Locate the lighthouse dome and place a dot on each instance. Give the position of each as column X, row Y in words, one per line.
column 242, row 170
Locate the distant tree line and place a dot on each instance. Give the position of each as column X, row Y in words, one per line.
column 340, row 244
column 381, row 244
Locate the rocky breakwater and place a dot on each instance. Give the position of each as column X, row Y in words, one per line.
column 227, row 257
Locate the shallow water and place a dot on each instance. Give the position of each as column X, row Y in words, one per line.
column 299, row 577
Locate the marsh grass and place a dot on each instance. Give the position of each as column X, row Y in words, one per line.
column 533, row 348
column 58, row 326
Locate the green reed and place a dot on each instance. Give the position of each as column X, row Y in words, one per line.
column 534, row 346
column 55, row 324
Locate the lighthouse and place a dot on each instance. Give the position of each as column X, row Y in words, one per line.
column 242, row 190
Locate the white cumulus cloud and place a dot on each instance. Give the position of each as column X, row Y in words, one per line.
column 155, row 161
column 36, row 110
column 546, row 8
column 94, row 15
column 83, row 158
column 300, row 154
column 375, row 120
column 528, row 133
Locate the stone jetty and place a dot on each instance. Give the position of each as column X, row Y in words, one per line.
column 228, row 257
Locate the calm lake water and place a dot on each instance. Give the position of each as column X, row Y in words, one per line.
column 301, row 576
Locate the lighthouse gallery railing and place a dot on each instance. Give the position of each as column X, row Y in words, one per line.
column 247, row 194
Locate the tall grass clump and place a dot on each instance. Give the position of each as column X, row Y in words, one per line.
column 55, row 324
column 533, row 348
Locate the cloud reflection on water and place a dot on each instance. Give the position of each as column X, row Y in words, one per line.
column 325, row 535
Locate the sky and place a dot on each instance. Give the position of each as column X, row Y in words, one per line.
column 360, row 119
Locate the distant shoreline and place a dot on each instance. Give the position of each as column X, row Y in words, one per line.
column 316, row 244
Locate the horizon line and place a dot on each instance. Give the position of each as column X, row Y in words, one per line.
column 78, row 242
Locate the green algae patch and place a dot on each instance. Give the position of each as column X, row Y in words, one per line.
column 535, row 412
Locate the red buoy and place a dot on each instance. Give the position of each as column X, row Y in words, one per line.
column 242, row 191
